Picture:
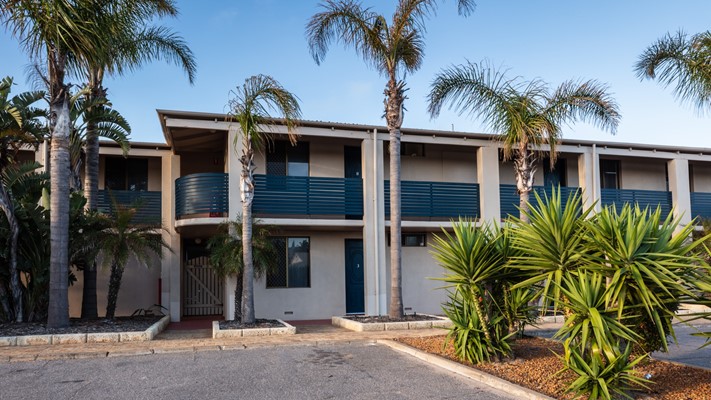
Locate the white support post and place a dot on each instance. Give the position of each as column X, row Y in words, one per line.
column 589, row 178
column 374, row 226
column 487, row 170
column 171, row 265
column 678, row 170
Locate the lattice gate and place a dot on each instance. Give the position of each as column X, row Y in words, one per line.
column 203, row 288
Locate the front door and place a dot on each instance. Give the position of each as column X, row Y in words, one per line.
column 203, row 286
column 555, row 177
column 355, row 277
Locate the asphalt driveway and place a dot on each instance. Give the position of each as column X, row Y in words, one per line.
column 339, row 371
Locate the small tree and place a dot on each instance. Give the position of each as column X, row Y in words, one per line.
column 227, row 258
column 121, row 240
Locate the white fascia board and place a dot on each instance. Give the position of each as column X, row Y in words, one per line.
column 116, row 151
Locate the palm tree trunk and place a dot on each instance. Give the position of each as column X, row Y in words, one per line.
column 15, row 287
column 4, row 302
column 114, row 287
column 238, row 298
column 524, row 169
column 247, row 190
column 58, row 313
column 89, row 308
column 393, row 112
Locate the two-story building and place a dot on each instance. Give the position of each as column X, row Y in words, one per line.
column 328, row 198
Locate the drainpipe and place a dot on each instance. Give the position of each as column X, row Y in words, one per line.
column 594, row 172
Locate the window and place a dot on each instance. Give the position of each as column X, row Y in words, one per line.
column 610, row 174
column 412, row 149
column 126, row 174
column 293, row 269
column 411, row 240
column 285, row 159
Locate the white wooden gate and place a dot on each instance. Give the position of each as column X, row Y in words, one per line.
column 203, row 288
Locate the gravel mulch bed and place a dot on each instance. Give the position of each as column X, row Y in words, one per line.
column 384, row 318
column 260, row 323
column 535, row 367
column 101, row 325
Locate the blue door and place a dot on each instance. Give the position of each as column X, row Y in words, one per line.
column 355, row 278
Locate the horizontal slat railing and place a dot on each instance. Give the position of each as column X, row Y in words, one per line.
column 205, row 193
column 148, row 203
column 436, row 199
column 301, row 195
column 701, row 205
column 644, row 198
column 509, row 199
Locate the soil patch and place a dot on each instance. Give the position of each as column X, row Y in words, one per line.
column 385, row 318
column 101, row 325
column 535, row 366
column 259, row 323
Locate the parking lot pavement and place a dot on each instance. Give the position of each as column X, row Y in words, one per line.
column 337, row 371
column 688, row 350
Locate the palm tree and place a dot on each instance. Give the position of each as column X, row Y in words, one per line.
column 227, row 259
column 526, row 115
column 133, row 43
column 394, row 50
column 106, row 122
column 250, row 108
column 19, row 126
column 54, row 31
column 683, row 61
column 121, row 240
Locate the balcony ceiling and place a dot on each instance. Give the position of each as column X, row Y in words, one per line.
column 197, row 140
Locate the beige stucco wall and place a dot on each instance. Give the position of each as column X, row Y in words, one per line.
column 327, row 295
column 419, row 293
column 139, row 289
column 507, row 177
column 701, row 177
column 643, row 174
column 440, row 164
column 325, row 157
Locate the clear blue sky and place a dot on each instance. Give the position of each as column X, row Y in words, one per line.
column 550, row 39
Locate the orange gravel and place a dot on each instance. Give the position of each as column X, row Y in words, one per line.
column 535, row 367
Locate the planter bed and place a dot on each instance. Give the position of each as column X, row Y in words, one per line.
column 122, row 329
column 231, row 329
column 384, row 323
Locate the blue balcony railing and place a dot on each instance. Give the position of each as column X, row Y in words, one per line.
column 204, row 195
column 510, row 200
column 701, row 205
column 644, row 198
column 301, row 195
column 148, row 203
column 436, row 200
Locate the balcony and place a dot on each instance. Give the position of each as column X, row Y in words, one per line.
column 149, row 203
column 510, row 200
column 644, row 198
column 701, row 205
column 202, row 195
column 435, row 200
column 276, row 195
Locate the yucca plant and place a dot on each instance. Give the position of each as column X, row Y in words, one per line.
column 476, row 276
column 599, row 378
column 552, row 245
column 651, row 266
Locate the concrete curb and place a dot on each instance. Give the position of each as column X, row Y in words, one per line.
column 78, row 338
column 517, row 391
column 343, row 322
column 218, row 333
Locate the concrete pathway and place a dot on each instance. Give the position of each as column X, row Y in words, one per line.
column 336, row 371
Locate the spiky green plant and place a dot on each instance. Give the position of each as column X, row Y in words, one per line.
column 475, row 271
